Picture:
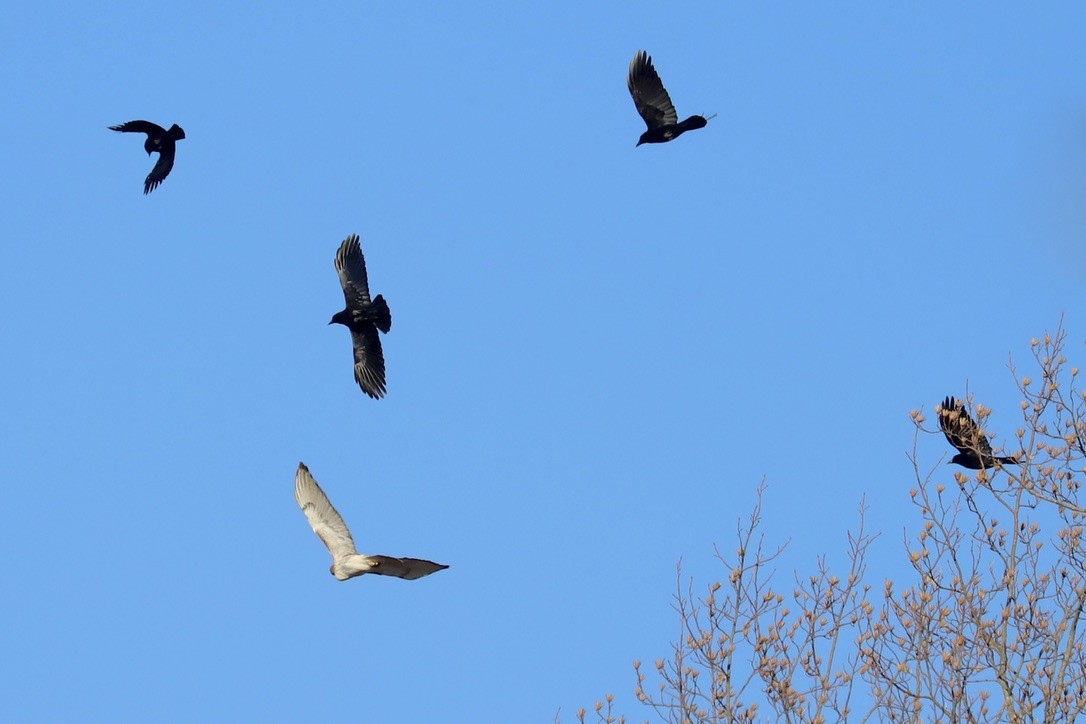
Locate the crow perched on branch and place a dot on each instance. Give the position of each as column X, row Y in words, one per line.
column 158, row 139
column 654, row 104
column 974, row 450
column 363, row 317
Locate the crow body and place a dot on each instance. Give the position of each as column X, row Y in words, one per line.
column 363, row 316
column 158, row 139
column 654, row 104
column 974, row 450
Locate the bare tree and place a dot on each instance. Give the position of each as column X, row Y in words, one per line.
column 985, row 627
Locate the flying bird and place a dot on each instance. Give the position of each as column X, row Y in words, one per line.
column 158, row 139
column 363, row 317
column 654, row 104
column 347, row 562
column 974, row 450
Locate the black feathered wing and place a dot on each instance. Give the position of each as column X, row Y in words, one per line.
column 161, row 170
column 151, row 129
column 649, row 95
column 961, row 430
column 351, row 267
column 369, row 359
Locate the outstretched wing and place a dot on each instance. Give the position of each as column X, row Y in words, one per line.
column 652, row 101
column 409, row 568
column 961, row 430
column 351, row 267
column 139, row 127
column 161, row 169
column 323, row 518
column 369, row 360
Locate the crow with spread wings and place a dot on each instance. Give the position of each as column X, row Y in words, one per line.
column 158, row 139
column 974, row 450
column 363, row 316
column 654, row 104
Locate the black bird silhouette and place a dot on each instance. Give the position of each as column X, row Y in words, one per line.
column 158, row 139
column 654, row 104
column 363, row 317
column 974, row 450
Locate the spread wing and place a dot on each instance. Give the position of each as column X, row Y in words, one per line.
column 369, row 360
column 961, row 430
column 409, row 568
column 652, row 101
column 140, row 127
column 351, row 267
column 161, row 169
column 325, row 520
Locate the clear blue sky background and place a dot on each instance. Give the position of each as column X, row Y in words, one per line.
column 597, row 351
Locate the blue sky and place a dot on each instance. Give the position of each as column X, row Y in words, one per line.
column 597, row 351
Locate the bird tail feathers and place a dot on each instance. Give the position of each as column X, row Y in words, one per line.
column 691, row 123
column 382, row 315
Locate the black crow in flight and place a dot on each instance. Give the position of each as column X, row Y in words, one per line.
column 654, row 104
column 363, row 317
column 158, row 139
column 974, row 450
